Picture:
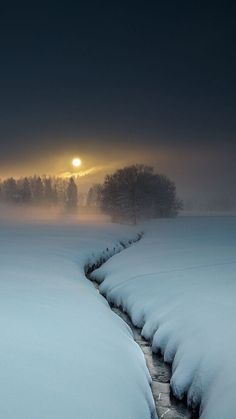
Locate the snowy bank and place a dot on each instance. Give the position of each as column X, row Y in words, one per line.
column 179, row 285
column 64, row 353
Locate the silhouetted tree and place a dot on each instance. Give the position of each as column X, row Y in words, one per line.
column 25, row 192
column 94, row 196
column 1, row 191
column 60, row 186
column 37, row 189
column 10, row 190
column 136, row 192
column 50, row 191
column 166, row 204
column 55, row 199
column 71, row 195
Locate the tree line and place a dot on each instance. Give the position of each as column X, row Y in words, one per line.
column 37, row 190
column 131, row 194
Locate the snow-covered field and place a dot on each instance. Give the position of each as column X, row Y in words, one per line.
column 179, row 285
column 64, row 354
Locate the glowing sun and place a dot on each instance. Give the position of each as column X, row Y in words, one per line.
column 76, row 162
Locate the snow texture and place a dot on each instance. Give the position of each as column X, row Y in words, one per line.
column 179, row 285
column 64, row 354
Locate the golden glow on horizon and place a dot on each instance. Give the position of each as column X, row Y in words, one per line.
column 82, row 173
column 76, row 162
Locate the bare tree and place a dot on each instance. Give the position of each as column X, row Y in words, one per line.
column 136, row 192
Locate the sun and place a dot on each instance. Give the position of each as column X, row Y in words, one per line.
column 76, row 162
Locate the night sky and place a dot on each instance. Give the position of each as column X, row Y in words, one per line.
column 118, row 83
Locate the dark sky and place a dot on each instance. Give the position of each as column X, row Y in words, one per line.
column 117, row 82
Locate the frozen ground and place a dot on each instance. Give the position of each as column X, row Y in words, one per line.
column 64, row 354
column 179, row 285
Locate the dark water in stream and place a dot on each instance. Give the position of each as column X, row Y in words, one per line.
column 167, row 406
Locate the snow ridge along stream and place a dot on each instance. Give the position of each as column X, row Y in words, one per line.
column 64, row 353
column 178, row 284
column 167, row 405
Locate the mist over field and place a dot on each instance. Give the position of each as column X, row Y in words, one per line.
column 10, row 213
column 117, row 210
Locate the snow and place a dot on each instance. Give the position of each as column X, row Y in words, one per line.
column 64, row 353
column 179, row 285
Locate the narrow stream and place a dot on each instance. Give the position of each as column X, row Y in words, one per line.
column 167, row 406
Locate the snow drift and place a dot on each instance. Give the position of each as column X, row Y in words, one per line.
column 179, row 285
column 64, row 353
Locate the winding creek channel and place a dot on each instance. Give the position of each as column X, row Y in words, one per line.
column 167, row 406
